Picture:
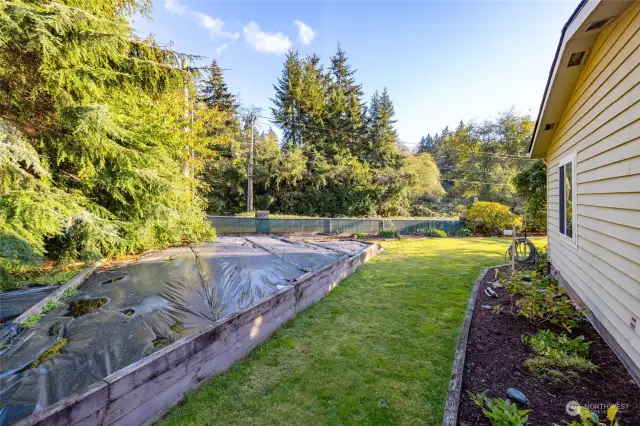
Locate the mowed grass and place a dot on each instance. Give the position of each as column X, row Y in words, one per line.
column 377, row 350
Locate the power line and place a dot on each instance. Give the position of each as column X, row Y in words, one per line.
column 494, row 154
column 480, row 154
column 475, row 181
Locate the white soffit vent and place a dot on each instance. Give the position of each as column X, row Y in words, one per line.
column 576, row 59
column 597, row 25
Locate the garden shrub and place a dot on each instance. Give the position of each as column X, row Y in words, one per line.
column 558, row 370
column 558, row 357
column 531, row 186
column 552, row 345
column 464, row 232
column 500, row 412
column 543, row 300
column 434, row 232
column 491, row 218
column 389, row 233
column 358, row 235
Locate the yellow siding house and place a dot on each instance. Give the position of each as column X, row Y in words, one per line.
column 588, row 132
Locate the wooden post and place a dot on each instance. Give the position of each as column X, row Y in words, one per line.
column 250, row 182
column 513, row 249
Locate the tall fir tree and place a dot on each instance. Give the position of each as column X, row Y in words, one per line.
column 312, row 108
column 382, row 141
column 346, row 111
column 286, row 109
column 215, row 92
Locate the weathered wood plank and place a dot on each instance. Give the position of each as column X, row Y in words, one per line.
column 134, row 375
column 57, row 293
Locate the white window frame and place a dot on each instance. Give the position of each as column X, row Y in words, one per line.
column 573, row 240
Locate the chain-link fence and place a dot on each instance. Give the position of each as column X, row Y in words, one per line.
column 252, row 225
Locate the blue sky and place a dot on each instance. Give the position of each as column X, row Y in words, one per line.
column 440, row 61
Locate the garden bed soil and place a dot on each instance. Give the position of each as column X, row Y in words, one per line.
column 495, row 362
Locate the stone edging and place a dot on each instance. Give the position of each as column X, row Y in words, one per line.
column 74, row 282
column 450, row 417
column 142, row 392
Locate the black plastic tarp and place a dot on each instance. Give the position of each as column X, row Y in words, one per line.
column 15, row 302
column 143, row 306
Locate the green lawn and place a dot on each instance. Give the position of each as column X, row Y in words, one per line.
column 377, row 350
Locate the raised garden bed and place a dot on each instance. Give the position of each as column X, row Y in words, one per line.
column 495, row 357
column 132, row 339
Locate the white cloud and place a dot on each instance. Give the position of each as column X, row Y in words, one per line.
column 174, row 7
column 222, row 48
column 305, row 33
column 265, row 42
column 214, row 25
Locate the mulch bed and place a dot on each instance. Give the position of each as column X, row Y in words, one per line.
column 495, row 362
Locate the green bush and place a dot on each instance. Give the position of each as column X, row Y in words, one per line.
column 558, row 370
column 439, row 233
column 559, row 357
column 542, row 300
column 491, row 218
column 464, row 232
column 500, row 412
column 531, row 185
column 389, row 233
column 358, row 235
column 552, row 345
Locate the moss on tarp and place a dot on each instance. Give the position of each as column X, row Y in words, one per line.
column 160, row 342
column 49, row 353
column 78, row 308
column 177, row 328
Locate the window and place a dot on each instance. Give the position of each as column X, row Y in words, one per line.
column 567, row 196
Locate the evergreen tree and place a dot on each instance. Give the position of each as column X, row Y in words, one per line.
column 215, row 92
column 286, row 110
column 346, row 110
column 311, row 105
column 426, row 144
column 352, row 166
column 100, row 115
column 382, row 138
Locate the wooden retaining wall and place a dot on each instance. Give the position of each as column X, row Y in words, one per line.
column 142, row 392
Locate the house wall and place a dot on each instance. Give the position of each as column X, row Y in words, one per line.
column 601, row 126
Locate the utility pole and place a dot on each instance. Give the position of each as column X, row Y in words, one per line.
column 187, row 164
column 252, row 120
